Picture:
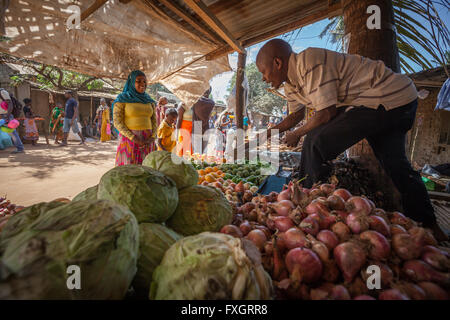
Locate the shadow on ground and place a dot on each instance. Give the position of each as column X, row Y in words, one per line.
column 43, row 160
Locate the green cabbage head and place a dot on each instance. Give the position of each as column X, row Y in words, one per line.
column 99, row 237
column 154, row 240
column 184, row 174
column 88, row 194
column 211, row 266
column 149, row 194
column 200, row 208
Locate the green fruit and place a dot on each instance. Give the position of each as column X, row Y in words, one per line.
column 97, row 238
column 200, row 208
column 149, row 194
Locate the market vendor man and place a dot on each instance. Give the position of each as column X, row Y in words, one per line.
column 354, row 98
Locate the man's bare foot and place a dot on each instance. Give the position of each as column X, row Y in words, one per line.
column 57, row 142
column 440, row 234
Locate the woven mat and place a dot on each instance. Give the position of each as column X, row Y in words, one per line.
column 442, row 212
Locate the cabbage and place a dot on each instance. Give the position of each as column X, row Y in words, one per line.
column 184, row 174
column 98, row 236
column 211, row 266
column 88, row 194
column 200, row 208
column 154, row 240
column 149, row 194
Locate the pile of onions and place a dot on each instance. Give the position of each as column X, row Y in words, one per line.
column 318, row 244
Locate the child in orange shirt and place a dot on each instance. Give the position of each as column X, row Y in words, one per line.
column 165, row 131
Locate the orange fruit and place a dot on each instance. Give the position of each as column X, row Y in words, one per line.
column 210, row 178
column 201, row 172
column 208, row 170
column 215, row 169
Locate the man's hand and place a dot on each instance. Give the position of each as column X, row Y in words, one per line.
column 292, row 139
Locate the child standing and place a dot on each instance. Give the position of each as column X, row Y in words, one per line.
column 31, row 131
column 165, row 131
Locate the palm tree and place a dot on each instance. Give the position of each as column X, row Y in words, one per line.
column 413, row 37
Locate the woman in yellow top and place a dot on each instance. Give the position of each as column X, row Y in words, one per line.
column 184, row 127
column 104, row 116
column 135, row 119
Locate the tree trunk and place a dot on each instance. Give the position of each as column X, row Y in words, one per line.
column 376, row 44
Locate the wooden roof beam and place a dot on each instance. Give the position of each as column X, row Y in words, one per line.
column 182, row 13
column 202, row 10
column 94, row 7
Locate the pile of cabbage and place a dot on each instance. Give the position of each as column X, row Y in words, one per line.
column 113, row 236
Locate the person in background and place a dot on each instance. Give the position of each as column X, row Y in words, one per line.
column 105, row 123
column 70, row 118
column 98, row 116
column 7, row 116
column 201, row 111
column 31, row 131
column 166, row 130
column 161, row 109
column 56, row 122
column 184, row 128
column 135, row 119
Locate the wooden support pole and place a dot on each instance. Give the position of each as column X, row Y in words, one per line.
column 94, row 7
column 240, row 90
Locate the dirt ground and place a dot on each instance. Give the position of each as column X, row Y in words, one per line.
column 46, row 172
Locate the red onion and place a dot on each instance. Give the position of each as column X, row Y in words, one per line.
column 387, row 275
column 342, row 215
column 264, row 229
column 357, row 287
column 382, row 214
column 322, row 292
column 327, row 222
column 396, row 229
column 272, row 197
column 245, row 227
column 303, row 265
column 327, row 188
column 350, row 258
column 379, row 248
column 319, row 248
column 358, row 205
column 306, row 190
column 336, row 203
column 341, row 230
column 399, row 218
column 315, row 193
column 343, row 193
column 371, row 204
column 232, row 230
column 392, row 294
column 258, row 238
column 418, row 271
column 294, row 238
column 284, row 195
column 310, row 225
column 268, row 248
column 282, row 223
column 436, row 258
column 252, row 215
column 330, row 271
column 317, row 207
column 357, row 222
column 329, row 238
column 433, row 291
column 405, row 247
column 283, row 208
column 379, row 224
column 340, row 292
column 411, row 290
column 364, row 297
column 424, row 235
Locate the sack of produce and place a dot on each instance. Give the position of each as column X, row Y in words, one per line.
column 88, row 194
column 149, row 194
column 154, row 240
column 211, row 266
column 184, row 174
column 98, row 238
column 200, row 209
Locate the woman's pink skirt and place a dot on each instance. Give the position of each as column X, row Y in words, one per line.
column 129, row 152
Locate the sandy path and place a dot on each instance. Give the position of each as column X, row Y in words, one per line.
column 44, row 173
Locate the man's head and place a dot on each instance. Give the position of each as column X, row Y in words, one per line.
column 68, row 94
column 27, row 101
column 207, row 92
column 171, row 116
column 163, row 101
column 272, row 61
column 103, row 101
